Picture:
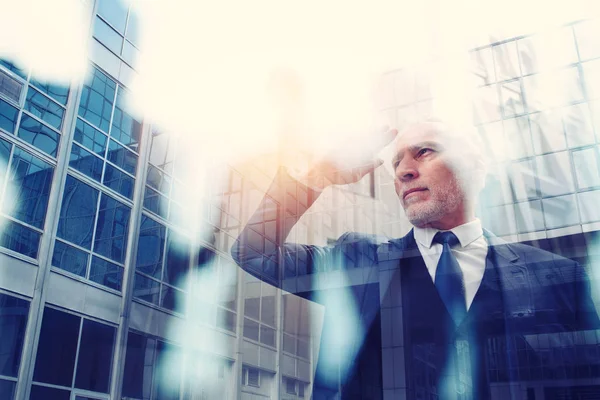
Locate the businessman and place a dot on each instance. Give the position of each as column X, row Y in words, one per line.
column 472, row 304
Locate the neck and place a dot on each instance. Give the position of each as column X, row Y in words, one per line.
column 451, row 221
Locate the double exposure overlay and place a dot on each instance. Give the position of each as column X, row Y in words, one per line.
column 154, row 245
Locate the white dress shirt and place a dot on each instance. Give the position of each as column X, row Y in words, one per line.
column 470, row 254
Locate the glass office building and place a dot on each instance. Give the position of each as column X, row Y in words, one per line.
column 108, row 291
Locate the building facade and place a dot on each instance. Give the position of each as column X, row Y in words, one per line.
column 111, row 288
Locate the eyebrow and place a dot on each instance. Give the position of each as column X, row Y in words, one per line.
column 416, row 147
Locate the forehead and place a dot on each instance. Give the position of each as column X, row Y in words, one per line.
column 416, row 134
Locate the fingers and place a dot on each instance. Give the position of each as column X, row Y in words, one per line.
column 359, row 172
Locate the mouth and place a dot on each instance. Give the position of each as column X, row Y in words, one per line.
column 410, row 191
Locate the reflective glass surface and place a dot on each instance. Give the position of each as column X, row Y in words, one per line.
column 97, row 99
column 106, row 273
column 108, row 36
column 7, row 389
column 122, row 157
column 12, row 67
column 125, row 128
column 86, row 162
column 111, row 230
column 95, row 356
column 115, row 12
column 151, row 246
column 57, row 92
column 118, row 181
column 155, row 202
column 18, row 238
column 55, row 360
column 8, row 116
column 146, row 289
column 48, row 393
column 177, row 262
column 44, row 108
column 139, row 363
column 5, row 149
column 39, row 135
column 13, row 320
column 28, row 189
column 69, row 258
column 77, row 213
column 90, row 138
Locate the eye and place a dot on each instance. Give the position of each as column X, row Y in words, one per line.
column 424, row 151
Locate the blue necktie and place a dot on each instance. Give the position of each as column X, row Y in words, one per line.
column 449, row 278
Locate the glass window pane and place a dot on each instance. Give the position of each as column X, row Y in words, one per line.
column 267, row 314
column 90, row 137
column 125, row 128
column 122, row 157
column 162, row 152
column 303, row 350
column 170, row 298
column 289, row 344
column 95, row 354
column 28, row 189
column 106, row 273
column 252, row 307
column 5, row 149
column 85, row 162
column 115, row 12
column 7, row 389
column 11, row 67
column 155, row 202
column 226, row 320
column 8, row 117
column 139, row 363
column 250, row 329
column 77, row 213
column 108, row 36
column 158, row 180
column 118, row 181
column 39, row 135
column 46, row 393
column 178, row 259
column 267, row 335
column 97, row 99
column 111, row 229
column 55, row 358
column 57, row 92
column 130, row 53
column 151, row 246
column 146, row 289
column 69, row 258
column 18, row 238
column 44, row 108
column 13, row 320
column 133, row 27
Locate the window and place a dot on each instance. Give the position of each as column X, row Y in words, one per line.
column 25, row 199
column 296, row 326
column 65, row 338
column 139, row 366
column 91, row 221
column 13, row 320
column 290, row 386
column 116, row 27
column 259, row 311
column 162, row 264
column 250, row 376
column 106, row 143
column 10, row 88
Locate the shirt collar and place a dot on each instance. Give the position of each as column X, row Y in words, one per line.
column 465, row 233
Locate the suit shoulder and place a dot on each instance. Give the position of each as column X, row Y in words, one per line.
column 547, row 265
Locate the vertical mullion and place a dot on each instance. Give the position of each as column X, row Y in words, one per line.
column 7, row 176
column 77, row 353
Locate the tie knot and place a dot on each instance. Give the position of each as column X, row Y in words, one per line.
column 448, row 238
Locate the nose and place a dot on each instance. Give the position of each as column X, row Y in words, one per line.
column 407, row 170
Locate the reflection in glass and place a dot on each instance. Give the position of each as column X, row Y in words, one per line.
column 151, row 247
column 125, row 128
column 57, row 347
column 57, row 92
column 44, row 108
column 18, row 238
column 29, row 187
column 69, row 258
column 97, row 99
column 7, row 389
column 115, row 12
column 155, row 202
column 13, row 319
column 48, row 393
column 139, row 364
column 86, row 162
column 8, row 116
column 178, row 259
column 146, row 289
column 39, row 135
column 108, row 36
column 91, row 138
column 122, row 157
column 106, row 273
column 118, row 181
column 77, row 213
column 12, row 67
column 111, row 230
column 95, row 356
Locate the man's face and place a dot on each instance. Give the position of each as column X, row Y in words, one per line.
column 425, row 180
